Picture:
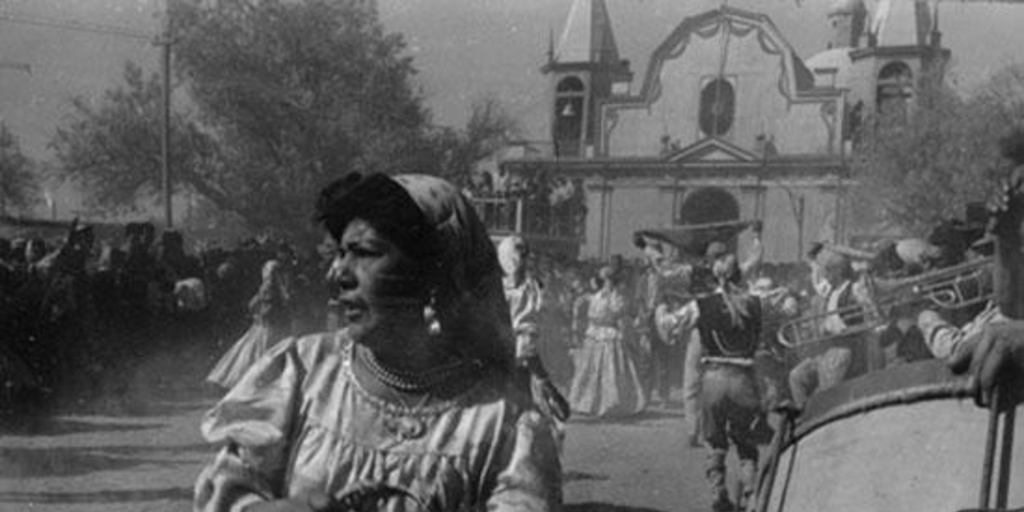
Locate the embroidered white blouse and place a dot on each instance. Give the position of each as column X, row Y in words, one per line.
column 300, row 420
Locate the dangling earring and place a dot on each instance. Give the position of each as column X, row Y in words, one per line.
column 430, row 315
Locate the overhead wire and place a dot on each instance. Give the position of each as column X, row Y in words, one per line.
column 9, row 16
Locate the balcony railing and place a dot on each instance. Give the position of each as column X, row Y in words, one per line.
column 531, row 217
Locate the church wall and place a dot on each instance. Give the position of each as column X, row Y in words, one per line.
column 806, row 131
column 640, row 182
column 633, row 208
column 618, row 208
column 597, row 196
column 755, row 67
column 762, row 106
column 627, row 208
column 861, row 83
column 782, row 237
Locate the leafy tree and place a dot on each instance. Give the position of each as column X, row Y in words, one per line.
column 488, row 129
column 282, row 99
column 111, row 147
column 18, row 186
column 296, row 93
column 916, row 169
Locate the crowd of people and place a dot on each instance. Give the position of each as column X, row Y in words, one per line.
column 410, row 334
column 738, row 338
column 79, row 314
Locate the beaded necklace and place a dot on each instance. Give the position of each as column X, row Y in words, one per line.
column 411, row 382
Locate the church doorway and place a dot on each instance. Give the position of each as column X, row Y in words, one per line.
column 709, row 204
column 705, row 206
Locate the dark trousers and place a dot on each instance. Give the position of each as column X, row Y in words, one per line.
column 730, row 414
column 665, row 368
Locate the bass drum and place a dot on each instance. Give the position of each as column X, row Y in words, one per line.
column 905, row 439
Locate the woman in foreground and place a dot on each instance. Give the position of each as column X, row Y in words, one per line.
column 394, row 410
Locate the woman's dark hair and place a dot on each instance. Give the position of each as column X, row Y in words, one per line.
column 383, row 203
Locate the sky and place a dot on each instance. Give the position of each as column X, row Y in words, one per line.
column 468, row 48
column 463, row 49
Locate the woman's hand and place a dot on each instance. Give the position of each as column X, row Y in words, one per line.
column 316, row 501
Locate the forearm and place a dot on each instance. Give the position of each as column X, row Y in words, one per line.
column 942, row 338
column 230, row 484
column 530, row 476
column 754, row 258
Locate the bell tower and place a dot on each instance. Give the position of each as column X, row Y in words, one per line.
column 904, row 48
column 584, row 68
column 847, row 19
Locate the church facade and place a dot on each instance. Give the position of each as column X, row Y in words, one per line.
column 726, row 123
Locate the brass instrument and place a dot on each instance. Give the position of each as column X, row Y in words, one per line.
column 953, row 287
column 947, row 289
column 850, row 252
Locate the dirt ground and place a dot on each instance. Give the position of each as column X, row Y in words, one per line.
column 145, row 457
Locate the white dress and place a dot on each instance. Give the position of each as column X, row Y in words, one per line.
column 606, row 382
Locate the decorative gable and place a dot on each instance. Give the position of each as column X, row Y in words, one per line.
column 712, row 150
column 725, row 74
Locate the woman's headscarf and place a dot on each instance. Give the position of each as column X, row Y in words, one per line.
column 431, row 221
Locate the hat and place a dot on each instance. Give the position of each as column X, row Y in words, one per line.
column 831, row 259
column 715, row 249
column 762, row 286
column 915, row 251
column 638, row 241
column 976, row 215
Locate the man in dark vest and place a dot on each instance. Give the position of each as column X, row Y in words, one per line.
column 729, row 323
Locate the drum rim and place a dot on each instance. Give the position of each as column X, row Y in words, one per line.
column 919, row 381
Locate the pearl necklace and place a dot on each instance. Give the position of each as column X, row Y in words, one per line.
column 411, row 382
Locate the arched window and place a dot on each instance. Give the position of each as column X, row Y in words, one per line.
column 895, row 88
column 570, row 106
column 717, row 107
column 570, row 84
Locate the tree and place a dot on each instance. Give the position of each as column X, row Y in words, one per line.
column 917, row 169
column 112, row 146
column 489, row 128
column 18, row 186
column 296, row 94
column 284, row 98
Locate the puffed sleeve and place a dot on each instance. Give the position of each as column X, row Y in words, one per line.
column 687, row 316
column 529, row 473
column 254, row 422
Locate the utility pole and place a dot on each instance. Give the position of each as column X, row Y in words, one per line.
column 164, row 40
column 18, row 66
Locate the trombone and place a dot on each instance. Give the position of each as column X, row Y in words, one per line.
column 947, row 289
